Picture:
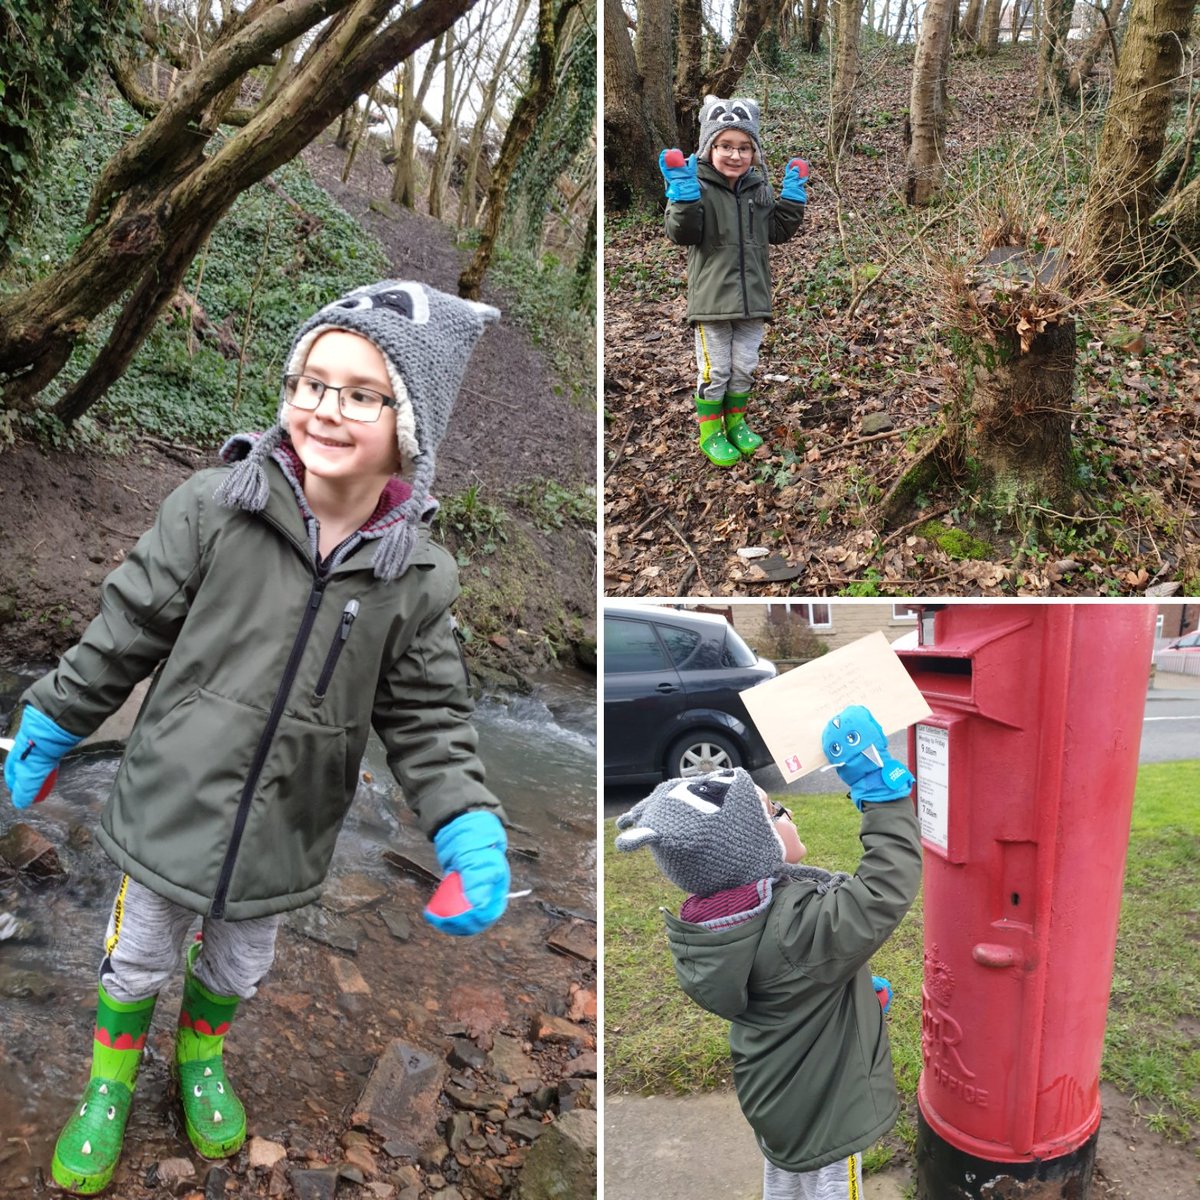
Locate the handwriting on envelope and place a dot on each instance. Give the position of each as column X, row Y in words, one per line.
column 791, row 710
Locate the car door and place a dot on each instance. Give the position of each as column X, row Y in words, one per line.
column 642, row 693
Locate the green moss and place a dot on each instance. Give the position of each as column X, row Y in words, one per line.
column 954, row 542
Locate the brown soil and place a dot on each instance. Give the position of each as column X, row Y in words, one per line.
column 66, row 519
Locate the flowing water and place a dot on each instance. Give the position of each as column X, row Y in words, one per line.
column 303, row 1048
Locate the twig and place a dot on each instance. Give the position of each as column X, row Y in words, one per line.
column 647, row 521
column 620, row 450
column 687, row 546
column 688, row 574
column 930, row 516
column 862, row 291
column 874, row 437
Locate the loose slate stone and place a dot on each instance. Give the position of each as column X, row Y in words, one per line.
column 401, row 1097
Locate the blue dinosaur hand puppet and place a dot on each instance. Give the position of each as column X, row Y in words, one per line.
column 855, row 745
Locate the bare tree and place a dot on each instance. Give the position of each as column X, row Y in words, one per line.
column 630, row 173
column 1102, row 38
column 847, row 23
column 1052, row 49
column 813, row 25
column 925, row 172
column 159, row 197
column 989, row 41
column 652, row 46
column 410, row 100
column 968, row 27
column 1121, row 194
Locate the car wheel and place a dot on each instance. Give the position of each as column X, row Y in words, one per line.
column 701, row 752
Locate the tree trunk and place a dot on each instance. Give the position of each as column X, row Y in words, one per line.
column 968, row 29
column 814, row 25
column 468, row 210
column 1102, row 37
column 1052, row 50
column 449, row 134
column 525, row 117
column 631, row 177
column 689, row 67
column 752, row 17
column 653, row 50
column 1121, row 194
column 181, row 194
column 848, row 21
column 925, row 173
column 990, row 37
column 1182, row 213
column 404, row 182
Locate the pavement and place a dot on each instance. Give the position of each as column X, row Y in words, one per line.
column 693, row 1148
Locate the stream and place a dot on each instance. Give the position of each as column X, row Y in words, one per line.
column 301, row 1050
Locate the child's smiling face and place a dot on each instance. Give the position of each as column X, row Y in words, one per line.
column 329, row 445
column 732, row 154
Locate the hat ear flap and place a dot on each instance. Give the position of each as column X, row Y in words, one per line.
column 635, row 839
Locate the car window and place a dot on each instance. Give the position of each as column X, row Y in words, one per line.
column 737, row 653
column 631, row 646
column 680, row 643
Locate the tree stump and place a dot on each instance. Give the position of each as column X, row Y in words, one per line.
column 1018, row 421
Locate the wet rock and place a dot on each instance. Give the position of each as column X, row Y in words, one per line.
column 572, row 1094
column 484, row 1178
column 397, row 1148
column 582, row 1004
column 214, row 1183
column 543, row 1099
column 496, row 1115
column 528, row 1085
column 24, row 849
column 406, row 1177
column 346, row 893
column 351, row 1172
column 410, row 1193
column 384, row 1191
column 584, row 1065
column 316, row 924
column 265, row 1154
column 458, row 1127
column 577, row 940
column 173, row 1170
column 434, row 1156
column 473, row 1101
column 563, row 1161
column 401, row 1096
column 545, row 1028
column 398, row 923
column 509, row 1062
column 448, row 1193
column 524, row 1127
column 348, row 977
column 411, row 866
column 497, row 1145
column 466, row 1055
column 315, row 1184
column 16, row 984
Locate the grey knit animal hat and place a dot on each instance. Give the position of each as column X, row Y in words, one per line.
column 426, row 338
column 707, row 834
column 719, row 116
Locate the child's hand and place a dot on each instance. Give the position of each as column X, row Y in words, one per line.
column 795, row 181
column 680, row 174
column 472, row 846
column 32, row 762
column 856, row 746
column 883, row 991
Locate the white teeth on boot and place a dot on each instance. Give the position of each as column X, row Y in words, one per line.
column 207, row 1072
column 104, row 1089
column 86, row 1147
column 217, row 1118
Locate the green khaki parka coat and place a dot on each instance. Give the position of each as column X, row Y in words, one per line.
column 728, row 232
column 811, row 1063
column 268, row 677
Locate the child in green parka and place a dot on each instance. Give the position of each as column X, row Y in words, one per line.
column 781, row 951
column 721, row 207
column 286, row 603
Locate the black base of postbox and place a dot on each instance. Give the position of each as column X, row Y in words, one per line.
column 946, row 1173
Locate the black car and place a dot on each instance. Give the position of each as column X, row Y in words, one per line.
column 672, row 703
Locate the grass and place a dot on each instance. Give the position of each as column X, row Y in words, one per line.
column 657, row 1041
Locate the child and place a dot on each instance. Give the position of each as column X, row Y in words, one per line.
column 781, row 951
column 721, row 208
column 286, row 602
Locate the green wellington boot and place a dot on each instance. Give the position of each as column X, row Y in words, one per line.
column 736, row 429
column 712, row 433
column 89, row 1146
column 213, row 1116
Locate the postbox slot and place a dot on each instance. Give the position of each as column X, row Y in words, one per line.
column 943, row 676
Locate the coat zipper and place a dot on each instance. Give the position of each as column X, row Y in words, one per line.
column 737, row 199
column 335, row 650
column 264, row 744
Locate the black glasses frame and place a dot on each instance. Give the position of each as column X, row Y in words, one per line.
column 290, row 383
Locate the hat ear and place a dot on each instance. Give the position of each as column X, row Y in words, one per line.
column 635, row 839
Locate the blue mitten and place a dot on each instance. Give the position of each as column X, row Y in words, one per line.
column 34, row 758
column 680, row 174
column 473, row 846
column 795, row 181
column 856, row 746
column 883, row 991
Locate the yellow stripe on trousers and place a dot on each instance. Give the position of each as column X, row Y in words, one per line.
column 853, row 1178
column 118, row 912
column 705, row 362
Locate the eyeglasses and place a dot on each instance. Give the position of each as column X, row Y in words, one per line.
column 354, row 403
column 777, row 811
column 733, row 149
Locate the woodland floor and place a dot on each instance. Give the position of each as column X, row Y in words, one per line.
column 674, row 522
column 66, row 518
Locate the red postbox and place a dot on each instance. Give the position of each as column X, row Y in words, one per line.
column 1024, row 788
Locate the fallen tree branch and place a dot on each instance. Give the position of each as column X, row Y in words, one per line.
column 687, row 546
